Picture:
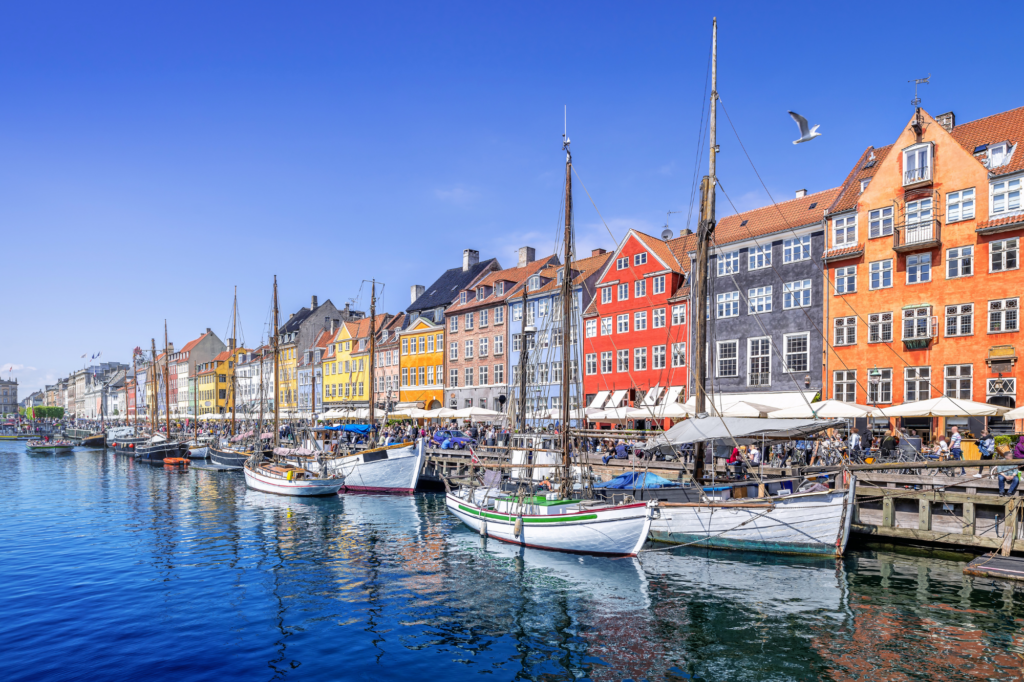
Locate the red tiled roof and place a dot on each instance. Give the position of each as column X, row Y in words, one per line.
column 582, row 269
column 865, row 168
column 775, row 217
column 192, row 344
column 1005, row 221
column 516, row 276
column 1002, row 127
column 844, row 252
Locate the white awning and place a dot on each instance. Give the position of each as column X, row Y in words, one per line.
column 616, row 399
column 599, row 400
column 651, row 397
column 781, row 400
column 673, row 395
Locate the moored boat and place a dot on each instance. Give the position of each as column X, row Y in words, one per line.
column 156, row 449
column 286, row 479
column 50, row 446
column 390, row 469
column 96, row 440
column 227, row 458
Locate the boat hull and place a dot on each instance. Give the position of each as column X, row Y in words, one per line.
column 302, row 488
column 393, row 471
column 228, row 459
column 158, row 452
column 98, row 440
column 810, row 523
column 199, row 452
column 602, row 531
column 50, row 448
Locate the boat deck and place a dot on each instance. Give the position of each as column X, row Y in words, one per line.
column 995, row 566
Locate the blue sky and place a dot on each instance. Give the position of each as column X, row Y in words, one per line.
column 151, row 158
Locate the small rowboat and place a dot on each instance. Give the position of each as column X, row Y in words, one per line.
column 176, row 461
column 96, row 440
column 289, row 480
column 52, row 446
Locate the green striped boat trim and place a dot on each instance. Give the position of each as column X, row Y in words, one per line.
column 510, row 519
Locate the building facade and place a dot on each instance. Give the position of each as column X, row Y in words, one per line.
column 387, row 374
column 8, row 397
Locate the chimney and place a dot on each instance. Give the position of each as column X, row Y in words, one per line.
column 208, row 330
column 597, row 252
column 415, row 291
column 801, row 193
column 470, row 257
column 335, row 323
column 170, row 348
column 947, row 121
column 312, row 305
column 291, row 315
column 327, row 321
column 231, row 344
column 686, row 232
column 527, row 255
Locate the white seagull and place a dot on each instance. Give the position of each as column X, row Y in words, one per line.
column 805, row 134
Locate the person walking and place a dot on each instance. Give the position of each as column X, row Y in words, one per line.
column 854, row 444
column 955, row 450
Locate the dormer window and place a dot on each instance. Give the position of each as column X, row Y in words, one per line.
column 534, row 283
column 479, row 293
column 917, row 164
column 561, row 276
column 463, row 296
column 998, row 154
column 500, row 288
column 384, row 335
column 864, row 184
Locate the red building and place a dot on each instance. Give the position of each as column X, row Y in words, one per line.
column 635, row 329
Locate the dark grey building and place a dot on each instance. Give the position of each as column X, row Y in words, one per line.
column 766, row 302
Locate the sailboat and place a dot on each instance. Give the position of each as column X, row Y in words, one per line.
column 281, row 475
column 542, row 518
column 159, row 447
column 228, row 455
column 815, row 522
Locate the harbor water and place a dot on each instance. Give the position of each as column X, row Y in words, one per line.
column 117, row 570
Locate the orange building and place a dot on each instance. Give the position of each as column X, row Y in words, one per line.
column 421, row 364
column 923, row 270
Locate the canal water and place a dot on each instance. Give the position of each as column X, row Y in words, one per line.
column 115, row 570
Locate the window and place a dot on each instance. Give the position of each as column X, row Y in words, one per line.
column 917, row 323
column 533, row 283
column 499, row 289
column 919, row 268
column 658, row 284
column 606, row 362
column 622, row 323
column 959, row 379
column 759, row 362
column 1002, row 315
column 759, row 300
column 453, row 378
column 622, row 360
column 864, row 184
column 797, row 349
column 591, row 363
column 623, row 292
column 484, row 342
column 453, row 350
column 422, row 342
column 679, row 354
column 728, row 263
column 517, row 343
column 846, row 280
column 499, row 374
column 606, row 326
column 483, row 317
column 439, row 341
column 959, row 205
column 796, row 294
column 639, row 359
column 453, row 323
column 997, row 155
column 844, row 231
column 959, row 262
column 430, row 375
column 917, row 384
column 880, row 328
column 463, row 296
column 606, row 295
column 729, row 304
column 1001, row 387
column 678, row 314
column 542, row 307
column 879, row 222
column 1005, row 196
column 622, row 263
column 879, row 386
column 639, row 288
column 796, row 249
column 658, row 357
column 499, row 344
column 483, row 376
column 658, row 318
column 727, row 358
column 919, row 221
column 1003, row 255
column 556, row 337
column 499, row 315
column 531, row 312
column 640, row 258
column 845, row 383
column 469, row 321
column 917, row 166
column 469, row 376
column 591, row 328
column 405, row 376
column 759, row 257
column 845, row 331
column 405, row 346
column 640, row 321
column 517, row 311
column 542, row 337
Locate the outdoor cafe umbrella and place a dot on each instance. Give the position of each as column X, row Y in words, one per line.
column 670, row 411
column 826, row 409
column 943, row 407
column 476, row 414
column 1015, row 414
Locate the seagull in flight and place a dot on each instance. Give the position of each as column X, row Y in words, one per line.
column 805, row 134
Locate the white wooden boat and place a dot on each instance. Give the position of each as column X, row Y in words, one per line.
column 391, row 469
column 289, row 480
column 542, row 521
column 51, row 446
column 801, row 523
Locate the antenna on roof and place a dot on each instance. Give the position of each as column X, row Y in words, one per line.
column 918, row 81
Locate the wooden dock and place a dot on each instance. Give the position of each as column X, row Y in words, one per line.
column 995, row 566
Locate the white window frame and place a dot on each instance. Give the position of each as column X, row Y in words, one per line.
column 911, row 177
column 881, row 268
column 658, row 357
column 728, row 263
column 759, row 300
column 847, row 379
column 640, row 258
column 658, row 318
column 608, row 357
column 658, row 285
column 960, row 205
column 801, row 291
column 728, row 302
column 1005, row 249
column 796, row 249
column 640, row 321
column 759, row 257
column 958, row 381
column 622, row 263
column 453, row 350
column 916, row 316
column 762, row 342
column 1004, row 309
column 787, row 353
column 735, row 359
column 1009, row 387
column 880, row 221
column 876, row 327
column 606, row 295
column 845, row 227
column 622, row 323
column 678, row 314
column 622, row 360
column 961, row 258
column 591, row 328
column 956, row 314
column 843, row 278
column 841, row 331
column 880, row 392
column 622, row 293
column 919, row 261
column 1004, row 196
column 679, row 354
column 607, row 325
column 914, row 378
column 590, row 364
column 640, row 288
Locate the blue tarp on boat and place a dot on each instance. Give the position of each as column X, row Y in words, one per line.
column 634, row 480
column 361, row 429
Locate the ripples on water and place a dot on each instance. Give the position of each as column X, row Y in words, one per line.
column 116, row 570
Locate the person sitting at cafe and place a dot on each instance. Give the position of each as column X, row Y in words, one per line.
column 1009, row 473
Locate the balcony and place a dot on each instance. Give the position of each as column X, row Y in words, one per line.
column 915, row 177
column 759, row 379
column 920, row 236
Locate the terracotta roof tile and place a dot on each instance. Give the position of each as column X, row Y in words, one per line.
column 1006, row 221
column 516, row 276
column 843, row 252
column 662, row 249
column 1002, row 127
column 192, row 344
column 582, row 269
column 775, row 217
column 865, row 168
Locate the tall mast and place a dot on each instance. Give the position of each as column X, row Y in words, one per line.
column 704, row 233
column 167, row 382
column 373, row 347
column 566, row 481
column 277, row 389
column 135, row 387
column 234, row 343
column 150, row 378
column 523, row 357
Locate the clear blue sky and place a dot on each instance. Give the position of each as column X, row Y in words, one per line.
column 153, row 157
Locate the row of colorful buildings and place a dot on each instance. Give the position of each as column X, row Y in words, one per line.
column 900, row 284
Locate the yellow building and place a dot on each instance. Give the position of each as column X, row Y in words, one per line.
column 345, row 376
column 288, row 377
column 421, row 365
column 332, row 367
column 215, row 382
column 360, row 358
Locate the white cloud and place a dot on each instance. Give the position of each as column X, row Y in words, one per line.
column 459, row 195
column 8, row 366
